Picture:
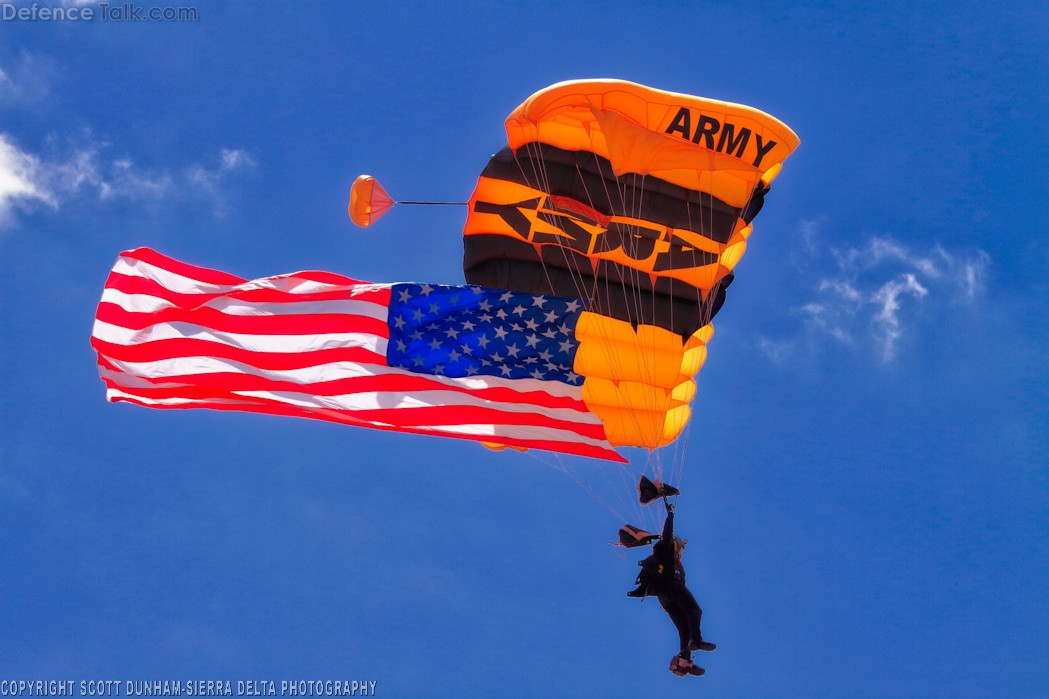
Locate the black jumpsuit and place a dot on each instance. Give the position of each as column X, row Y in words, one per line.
column 674, row 597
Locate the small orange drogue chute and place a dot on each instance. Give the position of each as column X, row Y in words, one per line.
column 368, row 201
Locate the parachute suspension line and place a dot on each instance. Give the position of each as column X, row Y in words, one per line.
column 677, row 469
column 636, row 204
column 594, row 289
column 613, row 357
column 682, row 444
column 614, row 360
column 628, row 477
column 705, row 305
column 709, row 303
column 557, row 463
column 635, row 208
column 633, row 298
column 708, row 225
column 541, row 176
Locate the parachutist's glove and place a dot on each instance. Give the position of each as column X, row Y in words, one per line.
column 670, row 508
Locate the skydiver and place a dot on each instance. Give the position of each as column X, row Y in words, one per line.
column 663, row 575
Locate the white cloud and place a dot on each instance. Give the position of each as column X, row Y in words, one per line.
column 829, row 315
column 126, row 180
column 876, row 290
column 86, row 171
column 21, row 181
column 843, row 289
column 776, row 350
column 888, row 301
column 233, row 160
column 809, row 231
column 209, row 179
column 25, row 81
column 841, row 335
column 814, row 310
column 878, row 251
column 969, row 273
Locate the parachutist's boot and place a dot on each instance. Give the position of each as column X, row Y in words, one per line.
column 681, row 665
column 639, row 592
column 700, row 644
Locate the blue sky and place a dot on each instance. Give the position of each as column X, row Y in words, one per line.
column 866, row 483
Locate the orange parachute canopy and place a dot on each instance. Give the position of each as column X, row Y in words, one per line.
column 640, row 202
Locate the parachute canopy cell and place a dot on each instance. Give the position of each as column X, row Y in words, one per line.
column 368, row 201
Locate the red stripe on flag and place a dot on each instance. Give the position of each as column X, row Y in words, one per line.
column 311, row 324
column 169, row 349
column 148, row 287
column 201, row 274
column 432, row 416
column 577, row 449
column 390, row 383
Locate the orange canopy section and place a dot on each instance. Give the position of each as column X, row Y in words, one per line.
column 718, row 147
column 368, row 201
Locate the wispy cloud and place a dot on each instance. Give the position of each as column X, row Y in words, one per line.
column 25, row 81
column 211, row 181
column 776, row 350
column 21, row 182
column 888, row 300
column 872, row 294
column 28, row 181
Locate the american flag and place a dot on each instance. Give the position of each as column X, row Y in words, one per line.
column 457, row 361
